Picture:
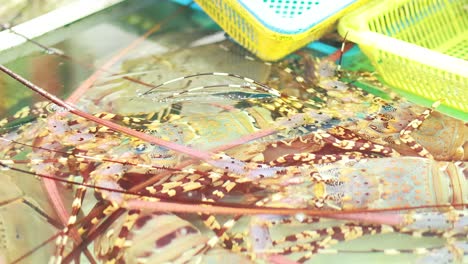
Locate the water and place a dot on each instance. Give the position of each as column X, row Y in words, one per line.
column 18, row 11
column 209, row 118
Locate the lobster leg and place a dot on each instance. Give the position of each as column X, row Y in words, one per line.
column 405, row 134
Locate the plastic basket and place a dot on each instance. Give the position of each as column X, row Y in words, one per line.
column 418, row 46
column 271, row 29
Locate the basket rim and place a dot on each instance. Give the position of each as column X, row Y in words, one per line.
column 293, row 25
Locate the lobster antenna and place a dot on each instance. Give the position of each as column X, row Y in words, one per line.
column 88, row 158
column 53, row 51
column 252, row 84
column 202, row 155
column 37, row 247
column 61, row 54
column 343, row 44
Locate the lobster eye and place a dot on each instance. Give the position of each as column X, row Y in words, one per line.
column 140, row 147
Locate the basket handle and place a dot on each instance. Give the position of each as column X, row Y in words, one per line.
column 407, row 50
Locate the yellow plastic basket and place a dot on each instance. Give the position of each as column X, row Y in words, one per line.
column 418, row 46
column 271, row 29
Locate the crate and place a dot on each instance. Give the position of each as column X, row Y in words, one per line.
column 417, row 46
column 271, row 29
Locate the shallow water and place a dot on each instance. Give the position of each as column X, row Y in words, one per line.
column 171, row 52
column 18, row 11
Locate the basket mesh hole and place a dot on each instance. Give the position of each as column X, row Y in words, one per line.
column 291, row 8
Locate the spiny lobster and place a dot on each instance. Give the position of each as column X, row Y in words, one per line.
column 272, row 179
